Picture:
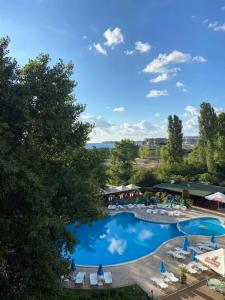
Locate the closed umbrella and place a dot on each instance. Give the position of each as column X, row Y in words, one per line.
column 193, row 256
column 162, row 267
column 185, row 243
column 171, row 203
column 156, row 200
column 147, row 200
column 100, row 270
column 213, row 240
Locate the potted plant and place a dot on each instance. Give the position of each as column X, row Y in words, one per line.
column 183, row 275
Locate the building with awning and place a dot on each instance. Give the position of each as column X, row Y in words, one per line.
column 198, row 191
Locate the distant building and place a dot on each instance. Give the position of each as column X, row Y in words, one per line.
column 154, row 142
column 188, row 141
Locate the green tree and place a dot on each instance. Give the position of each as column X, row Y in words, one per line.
column 220, row 146
column 207, row 135
column 46, row 174
column 143, row 177
column 173, row 153
column 123, row 156
column 144, row 152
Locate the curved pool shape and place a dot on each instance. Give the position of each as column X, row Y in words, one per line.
column 202, row 226
column 118, row 239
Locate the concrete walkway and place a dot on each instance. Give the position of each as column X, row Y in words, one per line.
column 140, row 271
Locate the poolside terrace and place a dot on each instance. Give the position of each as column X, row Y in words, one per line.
column 139, row 271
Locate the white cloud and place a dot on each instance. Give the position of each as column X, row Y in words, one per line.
column 157, row 93
column 216, row 27
column 192, row 110
column 128, row 52
column 118, row 246
column 223, row 7
column 163, row 64
column 84, row 37
column 113, row 37
column 179, row 84
column 218, row 110
column 199, row 59
column 157, row 114
column 98, row 47
column 119, row 109
column 98, row 121
column 161, row 77
column 142, row 47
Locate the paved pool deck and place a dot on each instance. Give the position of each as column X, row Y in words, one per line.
column 139, row 271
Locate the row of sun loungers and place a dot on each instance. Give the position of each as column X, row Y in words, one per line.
column 150, row 207
column 95, row 280
column 167, row 278
column 170, row 213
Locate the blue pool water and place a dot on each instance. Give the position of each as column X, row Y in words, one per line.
column 202, row 226
column 119, row 238
column 122, row 237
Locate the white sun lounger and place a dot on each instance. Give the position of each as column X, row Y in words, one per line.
column 79, row 278
column 162, row 212
column 171, row 276
column 93, row 279
column 204, row 247
column 175, row 254
column 180, row 250
column 198, row 265
column 155, row 211
column 149, row 211
column 170, row 213
column 107, row 277
column 130, row 206
column 159, row 281
column 197, row 250
column 189, row 269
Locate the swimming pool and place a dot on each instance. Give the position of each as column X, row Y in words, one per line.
column 123, row 237
column 202, row 226
column 118, row 239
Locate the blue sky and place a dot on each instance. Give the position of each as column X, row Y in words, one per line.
column 135, row 61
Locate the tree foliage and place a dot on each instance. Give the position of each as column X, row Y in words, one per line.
column 46, row 174
column 173, row 153
column 123, row 156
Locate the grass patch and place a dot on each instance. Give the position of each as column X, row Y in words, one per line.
column 133, row 292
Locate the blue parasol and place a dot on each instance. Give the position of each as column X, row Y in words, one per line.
column 73, row 267
column 162, row 267
column 213, row 240
column 171, row 203
column 100, row 270
column 185, row 243
column 193, row 256
column 215, row 247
